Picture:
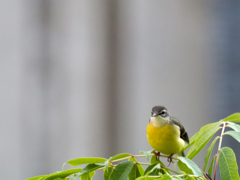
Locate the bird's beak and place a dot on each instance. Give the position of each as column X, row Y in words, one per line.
column 154, row 114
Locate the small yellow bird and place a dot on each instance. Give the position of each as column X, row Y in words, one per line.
column 165, row 133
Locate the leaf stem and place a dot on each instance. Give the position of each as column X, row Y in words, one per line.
column 169, row 169
column 100, row 168
column 185, row 175
column 142, row 155
column 168, row 156
column 147, row 164
column 104, row 167
column 219, row 147
column 116, row 160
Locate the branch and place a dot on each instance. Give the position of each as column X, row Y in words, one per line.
column 218, row 153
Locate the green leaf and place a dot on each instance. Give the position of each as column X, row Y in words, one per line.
column 234, row 134
column 234, row 126
column 177, row 178
column 228, row 164
column 92, row 174
column 165, row 171
column 210, row 169
column 209, row 152
column 75, row 177
column 148, row 169
column 191, row 178
column 205, row 134
column 134, row 174
column 147, row 153
column 87, row 169
column 107, row 174
column 233, row 118
column 139, row 166
column 107, row 163
column 119, row 156
column 184, row 168
column 122, row 170
column 37, row 177
column 62, row 174
column 87, row 176
column 188, row 166
column 191, row 141
column 86, row 160
column 165, row 177
column 155, row 161
column 162, row 177
column 156, row 170
column 140, row 169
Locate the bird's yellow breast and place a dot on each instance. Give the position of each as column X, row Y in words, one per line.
column 165, row 139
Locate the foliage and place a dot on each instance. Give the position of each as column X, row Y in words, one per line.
column 125, row 165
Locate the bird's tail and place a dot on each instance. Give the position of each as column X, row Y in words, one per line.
column 181, row 154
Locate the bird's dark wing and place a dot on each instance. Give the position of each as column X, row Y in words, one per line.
column 183, row 133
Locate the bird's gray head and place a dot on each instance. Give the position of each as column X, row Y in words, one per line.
column 159, row 111
column 159, row 116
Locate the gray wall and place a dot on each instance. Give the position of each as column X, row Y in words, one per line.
column 79, row 78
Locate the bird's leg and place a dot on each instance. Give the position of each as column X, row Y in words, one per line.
column 157, row 154
column 169, row 159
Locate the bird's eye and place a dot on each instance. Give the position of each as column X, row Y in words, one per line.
column 164, row 114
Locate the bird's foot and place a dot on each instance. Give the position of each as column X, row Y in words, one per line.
column 157, row 154
column 170, row 159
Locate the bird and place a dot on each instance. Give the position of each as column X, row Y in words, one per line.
column 166, row 134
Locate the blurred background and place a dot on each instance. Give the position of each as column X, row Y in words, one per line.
column 79, row 78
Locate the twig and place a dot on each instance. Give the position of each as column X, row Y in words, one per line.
column 218, row 153
column 185, row 175
column 116, row 160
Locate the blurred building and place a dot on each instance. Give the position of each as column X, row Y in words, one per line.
column 79, row 78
